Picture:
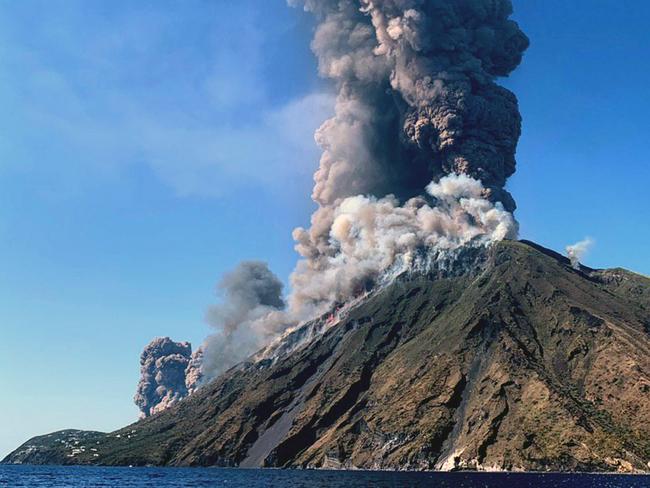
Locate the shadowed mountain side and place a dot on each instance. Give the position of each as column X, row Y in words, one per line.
column 521, row 363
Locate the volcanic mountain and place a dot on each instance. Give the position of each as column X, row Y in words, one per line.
column 508, row 359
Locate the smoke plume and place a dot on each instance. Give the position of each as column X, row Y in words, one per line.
column 249, row 316
column 416, row 103
column 576, row 252
column 165, row 367
column 414, row 163
column 416, row 95
column 368, row 236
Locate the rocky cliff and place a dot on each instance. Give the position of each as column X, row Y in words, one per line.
column 519, row 362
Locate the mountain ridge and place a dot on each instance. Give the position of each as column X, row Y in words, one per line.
column 522, row 363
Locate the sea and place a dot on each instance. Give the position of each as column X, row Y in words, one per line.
column 87, row 477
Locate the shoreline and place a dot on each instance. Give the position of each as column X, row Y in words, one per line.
column 387, row 471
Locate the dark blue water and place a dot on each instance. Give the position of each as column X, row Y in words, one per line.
column 63, row 477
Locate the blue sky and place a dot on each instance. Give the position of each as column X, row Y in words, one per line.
column 147, row 147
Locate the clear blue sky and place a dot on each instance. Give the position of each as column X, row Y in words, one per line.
column 147, row 147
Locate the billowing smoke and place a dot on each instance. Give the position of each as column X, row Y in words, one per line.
column 194, row 371
column 168, row 373
column 249, row 316
column 416, row 96
column 414, row 163
column 369, row 235
column 576, row 252
column 416, row 102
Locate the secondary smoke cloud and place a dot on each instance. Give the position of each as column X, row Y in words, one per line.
column 576, row 252
column 249, row 316
column 168, row 373
column 414, row 161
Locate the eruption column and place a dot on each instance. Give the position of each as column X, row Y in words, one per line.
column 414, row 163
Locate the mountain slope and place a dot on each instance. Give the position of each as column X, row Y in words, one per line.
column 521, row 362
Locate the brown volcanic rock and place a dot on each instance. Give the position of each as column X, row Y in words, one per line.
column 520, row 363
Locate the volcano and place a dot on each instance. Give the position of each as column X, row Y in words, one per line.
column 510, row 360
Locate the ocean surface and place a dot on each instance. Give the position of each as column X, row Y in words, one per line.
column 63, row 477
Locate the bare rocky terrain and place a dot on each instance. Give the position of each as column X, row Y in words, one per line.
column 519, row 363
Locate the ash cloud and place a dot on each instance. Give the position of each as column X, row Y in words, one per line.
column 416, row 95
column 417, row 103
column 165, row 367
column 414, row 162
column 251, row 314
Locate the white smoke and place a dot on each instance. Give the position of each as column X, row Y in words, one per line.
column 576, row 252
column 369, row 235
